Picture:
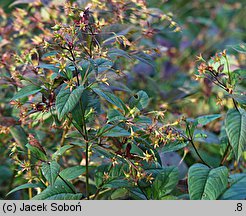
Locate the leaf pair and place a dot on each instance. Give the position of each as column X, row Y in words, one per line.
column 210, row 184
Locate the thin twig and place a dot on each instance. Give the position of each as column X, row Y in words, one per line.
column 225, row 155
column 190, row 139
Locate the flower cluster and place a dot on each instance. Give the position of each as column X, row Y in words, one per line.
column 216, row 70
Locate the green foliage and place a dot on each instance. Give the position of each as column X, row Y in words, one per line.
column 26, row 91
column 165, row 182
column 205, row 183
column 26, row 186
column 104, row 105
column 204, row 120
column 71, row 173
column 50, row 171
column 235, row 123
column 111, row 98
column 59, row 191
column 37, row 153
column 66, row 100
column 236, row 191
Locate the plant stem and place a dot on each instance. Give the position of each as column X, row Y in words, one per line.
column 99, row 192
column 198, row 154
column 225, row 155
column 67, row 184
column 235, row 104
column 190, row 139
column 30, row 173
column 85, row 133
column 230, row 81
column 64, row 133
column 228, row 68
column 86, row 158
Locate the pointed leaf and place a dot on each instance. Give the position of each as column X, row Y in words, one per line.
column 25, row 186
column 113, row 131
column 118, row 53
column 240, row 48
column 50, row 171
column 59, row 191
column 111, row 98
column 67, row 100
column 115, row 115
column 147, row 59
column 203, row 120
column 60, row 151
column 72, row 172
column 37, row 152
column 165, row 182
column 235, row 124
column 205, row 183
column 173, row 146
column 19, row 135
column 49, row 67
column 237, row 189
column 102, row 65
column 26, row 91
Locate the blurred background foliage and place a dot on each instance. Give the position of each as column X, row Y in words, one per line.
column 201, row 26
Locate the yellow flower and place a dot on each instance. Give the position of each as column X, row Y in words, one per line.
column 148, row 157
column 70, row 84
column 149, row 178
column 104, row 80
column 200, row 58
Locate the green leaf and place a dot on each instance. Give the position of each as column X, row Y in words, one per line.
column 26, row 91
column 241, row 99
column 69, row 73
column 240, row 48
column 37, row 152
column 144, row 145
column 59, row 191
column 103, row 153
column 67, row 100
column 147, row 59
column 113, row 131
column 235, row 124
column 19, row 135
column 165, row 182
column 237, row 189
column 49, row 67
column 118, row 183
column 204, row 120
column 119, row 194
column 115, row 173
column 25, row 186
column 206, row 137
column 139, row 100
column 205, row 183
column 61, row 151
column 72, row 172
column 50, row 171
column 111, row 98
column 224, row 143
column 115, row 115
column 6, row 173
column 118, row 53
column 173, row 146
column 48, row 54
column 102, row 65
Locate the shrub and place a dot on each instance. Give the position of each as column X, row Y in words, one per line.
column 80, row 132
